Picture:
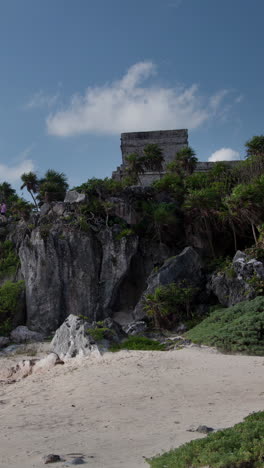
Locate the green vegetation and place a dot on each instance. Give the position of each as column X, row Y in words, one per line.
column 139, row 343
column 30, row 181
column 184, row 162
column 44, row 230
column 9, row 296
column 127, row 232
column 99, row 333
column 236, row 329
column 9, row 260
column 53, row 186
column 170, row 304
column 241, row 446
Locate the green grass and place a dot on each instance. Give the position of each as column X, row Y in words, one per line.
column 236, row 329
column 241, row 446
column 139, row 343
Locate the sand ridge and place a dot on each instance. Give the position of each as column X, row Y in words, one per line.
column 125, row 406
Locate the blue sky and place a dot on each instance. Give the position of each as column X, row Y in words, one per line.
column 77, row 73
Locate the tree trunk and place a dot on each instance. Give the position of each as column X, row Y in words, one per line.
column 234, row 235
column 254, row 233
column 35, row 203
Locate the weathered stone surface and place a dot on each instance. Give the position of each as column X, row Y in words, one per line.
column 246, row 267
column 72, row 339
column 232, row 287
column 187, row 266
column 137, row 327
column 4, row 341
column 74, row 197
column 44, row 209
column 71, row 271
column 22, row 334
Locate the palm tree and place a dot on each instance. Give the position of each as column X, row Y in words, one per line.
column 30, row 181
column 246, row 202
column 255, row 146
column 153, row 159
column 185, row 158
column 135, row 165
column 201, row 209
column 53, row 186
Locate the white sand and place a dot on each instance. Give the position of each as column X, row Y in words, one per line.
column 127, row 406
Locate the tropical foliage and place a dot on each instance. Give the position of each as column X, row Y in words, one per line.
column 236, row 329
column 241, row 446
column 170, row 304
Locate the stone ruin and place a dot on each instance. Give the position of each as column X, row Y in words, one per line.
column 169, row 141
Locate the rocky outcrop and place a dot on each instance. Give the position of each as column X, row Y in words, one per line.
column 137, row 327
column 67, row 271
column 22, row 334
column 236, row 283
column 72, row 339
column 4, row 341
column 74, row 197
column 187, row 266
column 78, row 337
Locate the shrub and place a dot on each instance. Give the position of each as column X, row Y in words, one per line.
column 139, row 343
column 236, row 329
column 241, row 446
column 99, row 333
column 170, row 304
column 9, row 260
column 9, row 296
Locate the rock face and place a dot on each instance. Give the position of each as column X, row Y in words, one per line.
column 185, row 266
column 22, row 334
column 74, row 197
column 72, row 339
column 233, row 286
column 68, row 271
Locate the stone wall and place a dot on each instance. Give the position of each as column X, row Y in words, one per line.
column 169, row 141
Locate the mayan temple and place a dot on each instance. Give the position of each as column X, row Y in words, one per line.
column 169, row 141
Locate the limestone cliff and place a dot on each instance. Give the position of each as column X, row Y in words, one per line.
column 68, row 270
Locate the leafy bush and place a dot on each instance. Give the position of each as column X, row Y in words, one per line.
column 9, row 260
column 236, row 329
column 9, row 295
column 171, row 183
column 241, row 446
column 99, row 333
column 139, row 343
column 170, row 304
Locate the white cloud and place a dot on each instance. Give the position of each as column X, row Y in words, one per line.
column 224, row 154
column 127, row 105
column 12, row 174
column 41, row 100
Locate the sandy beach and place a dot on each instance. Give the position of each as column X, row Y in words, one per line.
column 125, row 406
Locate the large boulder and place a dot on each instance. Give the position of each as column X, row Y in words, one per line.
column 74, row 197
column 4, row 341
column 78, row 337
column 138, row 327
column 22, row 334
column 72, row 339
column 187, row 266
column 236, row 283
